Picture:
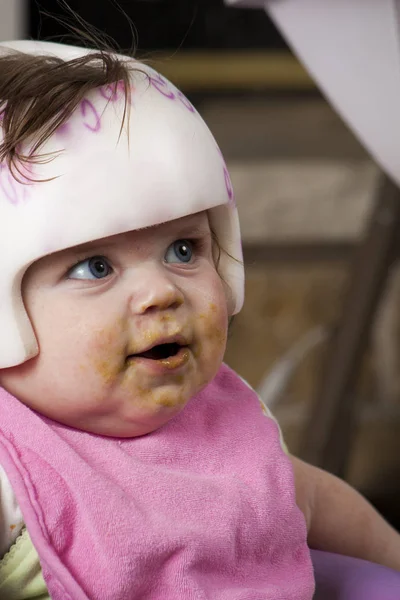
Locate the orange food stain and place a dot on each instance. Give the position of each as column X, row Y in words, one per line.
column 108, row 361
column 107, row 370
column 168, row 401
column 145, row 397
column 211, row 333
column 110, row 369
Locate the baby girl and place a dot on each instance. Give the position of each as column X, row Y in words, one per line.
column 133, row 463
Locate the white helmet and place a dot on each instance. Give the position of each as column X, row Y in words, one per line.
column 101, row 183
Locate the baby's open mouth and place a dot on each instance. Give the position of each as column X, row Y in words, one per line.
column 160, row 352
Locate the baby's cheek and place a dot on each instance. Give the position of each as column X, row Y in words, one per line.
column 212, row 329
column 107, row 370
column 107, row 338
column 106, row 353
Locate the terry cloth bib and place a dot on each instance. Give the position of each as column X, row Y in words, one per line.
column 203, row 508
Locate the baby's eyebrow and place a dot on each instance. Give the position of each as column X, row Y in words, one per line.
column 188, row 231
column 103, row 243
column 193, row 225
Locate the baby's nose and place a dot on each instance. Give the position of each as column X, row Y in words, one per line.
column 154, row 290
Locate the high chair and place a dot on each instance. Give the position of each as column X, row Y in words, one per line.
column 352, row 50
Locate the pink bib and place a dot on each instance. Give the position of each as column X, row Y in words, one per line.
column 203, row 508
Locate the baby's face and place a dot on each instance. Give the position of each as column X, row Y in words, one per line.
column 129, row 328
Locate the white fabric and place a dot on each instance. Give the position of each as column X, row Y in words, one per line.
column 11, row 521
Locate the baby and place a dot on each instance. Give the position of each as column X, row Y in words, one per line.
column 133, row 463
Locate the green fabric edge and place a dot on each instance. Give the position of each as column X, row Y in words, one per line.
column 21, row 575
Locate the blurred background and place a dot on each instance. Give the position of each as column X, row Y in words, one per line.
column 305, row 189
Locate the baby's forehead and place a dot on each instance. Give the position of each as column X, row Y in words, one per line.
column 191, row 225
column 196, row 224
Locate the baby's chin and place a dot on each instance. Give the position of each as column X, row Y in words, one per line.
column 129, row 429
column 137, row 417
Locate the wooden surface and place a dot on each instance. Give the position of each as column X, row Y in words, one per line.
column 195, row 71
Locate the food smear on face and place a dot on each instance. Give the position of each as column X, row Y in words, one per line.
column 108, row 371
column 107, row 356
column 175, row 397
column 153, row 377
column 180, row 359
column 212, row 333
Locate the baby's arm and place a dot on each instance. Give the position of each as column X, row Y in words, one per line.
column 340, row 520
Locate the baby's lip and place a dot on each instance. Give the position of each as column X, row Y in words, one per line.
column 179, row 340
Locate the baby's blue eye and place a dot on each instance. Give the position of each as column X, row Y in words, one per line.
column 97, row 267
column 179, row 251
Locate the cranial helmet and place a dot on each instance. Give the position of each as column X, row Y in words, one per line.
column 100, row 182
